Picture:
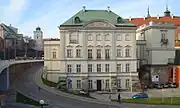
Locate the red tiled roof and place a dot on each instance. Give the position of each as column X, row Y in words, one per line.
column 140, row 21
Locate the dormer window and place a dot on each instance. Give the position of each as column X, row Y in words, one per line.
column 77, row 20
column 119, row 19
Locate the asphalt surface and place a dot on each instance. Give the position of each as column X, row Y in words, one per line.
column 27, row 86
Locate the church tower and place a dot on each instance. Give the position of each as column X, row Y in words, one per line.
column 38, row 34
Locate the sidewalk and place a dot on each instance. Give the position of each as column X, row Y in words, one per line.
column 100, row 99
column 107, row 97
column 38, row 81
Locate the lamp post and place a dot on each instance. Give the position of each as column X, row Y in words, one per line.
column 41, row 102
column 131, row 80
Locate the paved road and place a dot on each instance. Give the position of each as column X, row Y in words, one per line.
column 27, row 86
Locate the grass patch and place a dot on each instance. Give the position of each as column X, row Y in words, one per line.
column 155, row 101
column 20, row 98
column 48, row 83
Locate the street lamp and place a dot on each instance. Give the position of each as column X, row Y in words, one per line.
column 41, row 102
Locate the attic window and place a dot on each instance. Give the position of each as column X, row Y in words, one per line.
column 77, row 20
column 119, row 19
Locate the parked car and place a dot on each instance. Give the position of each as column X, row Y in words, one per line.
column 173, row 85
column 166, row 85
column 158, row 86
column 140, row 95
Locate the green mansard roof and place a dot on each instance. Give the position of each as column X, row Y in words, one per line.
column 85, row 16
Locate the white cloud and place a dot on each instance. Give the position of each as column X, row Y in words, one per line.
column 12, row 12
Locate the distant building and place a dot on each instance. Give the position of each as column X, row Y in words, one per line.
column 38, row 37
column 11, row 40
column 51, row 56
column 168, row 17
column 155, row 48
column 38, row 34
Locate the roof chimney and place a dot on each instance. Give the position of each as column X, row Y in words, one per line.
column 172, row 16
column 157, row 16
column 130, row 18
column 144, row 18
column 84, row 8
column 108, row 9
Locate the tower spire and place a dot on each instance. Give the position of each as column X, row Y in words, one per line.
column 167, row 12
column 166, row 7
column 148, row 13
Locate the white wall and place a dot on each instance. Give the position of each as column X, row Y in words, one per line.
column 161, row 57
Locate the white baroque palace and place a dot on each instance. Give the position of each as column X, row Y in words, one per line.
column 97, row 52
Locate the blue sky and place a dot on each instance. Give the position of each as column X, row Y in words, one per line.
column 26, row 15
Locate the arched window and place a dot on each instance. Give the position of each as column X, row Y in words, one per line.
column 119, row 19
column 77, row 20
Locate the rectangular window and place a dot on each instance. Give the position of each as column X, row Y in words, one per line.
column 98, row 53
column 78, row 68
column 69, row 68
column 119, row 52
column 107, row 54
column 89, row 53
column 163, row 35
column 78, row 53
column 98, row 67
column 89, row 67
column 90, row 84
column 127, row 83
column 127, row 52
column 106, row 67
column 119, row 37
column 78, row 84
column 127, row 67
column 54, row 55
column 127, row 37
column 69, row 53
column 89, row 37
column 118, row 83
column 119, row 68
column 98, row 37
column 73, row 39
column 107, row 84
column 107, row 37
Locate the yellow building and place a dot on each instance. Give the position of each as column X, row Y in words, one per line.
column 51, row 57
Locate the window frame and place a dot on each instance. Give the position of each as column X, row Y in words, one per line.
column 69, row 68
column 78, row 53
column 127, row 67
column 90, row 68
column 98, row 68
column 107, row 67
column 119, row 67
column 78, row 68
column 69, row 53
